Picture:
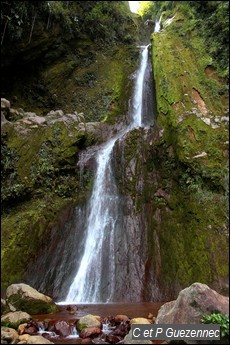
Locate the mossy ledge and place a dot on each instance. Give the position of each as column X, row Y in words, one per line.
column 188, row 232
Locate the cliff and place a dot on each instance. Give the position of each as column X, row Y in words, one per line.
column 172, row 176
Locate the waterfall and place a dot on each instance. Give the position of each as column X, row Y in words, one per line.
column 95, row 278
column 138, row 92
column 158, row 25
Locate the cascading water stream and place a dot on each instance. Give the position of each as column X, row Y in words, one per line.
column 138, row 92
column 90, row 285
column 158, row 25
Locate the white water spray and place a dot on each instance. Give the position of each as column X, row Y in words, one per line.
column 137, row 102
column 158, row 25
column 103, row 205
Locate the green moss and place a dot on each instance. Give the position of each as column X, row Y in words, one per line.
column 8, row 323
column 186, row 98
column 192, row 228
column 24, row 230
column 32, row 306
column 81, row 326
column 185, row 211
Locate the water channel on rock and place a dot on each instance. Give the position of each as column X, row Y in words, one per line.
column 95, row 279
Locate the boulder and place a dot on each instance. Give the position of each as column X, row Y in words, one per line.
column 21, row 328
column 37, row 119
column 62, row 328
column 55, row 113
column 30, row 114
column 14, row 319
column 9, row 336
column 26, row 298
column 128, row 338
column 88, row 321
column 120, row 318
column 191, row 304
column 5, row 104
column 24, row 337
column 99, row 131
column 38, row 339
column 140, row 320
column 89, row 332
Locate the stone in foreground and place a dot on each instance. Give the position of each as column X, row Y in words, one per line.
column 14, row 319
column 25, row 298
column 191, row 304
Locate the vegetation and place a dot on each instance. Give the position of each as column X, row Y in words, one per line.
column 76, row 46
column 210, row 18
column 220, row 319
column 69, row 55
column 185, row 169
column 100, row 20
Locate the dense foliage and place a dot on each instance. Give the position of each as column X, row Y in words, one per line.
column 211, row 18
column 99, row 19
column 220, row 319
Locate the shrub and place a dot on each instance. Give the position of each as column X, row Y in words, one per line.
column 220, row 319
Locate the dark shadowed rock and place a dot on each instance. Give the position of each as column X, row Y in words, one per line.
column 121, row 318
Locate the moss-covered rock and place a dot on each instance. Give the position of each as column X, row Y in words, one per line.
column 169, row 200
column 188, row 226
column 88, row 321
column 14, row 319
column 23, row 297
column 176, row 175
column 78, row 59
column 40, row 179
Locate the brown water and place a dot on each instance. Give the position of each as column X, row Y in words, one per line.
column 104, row 310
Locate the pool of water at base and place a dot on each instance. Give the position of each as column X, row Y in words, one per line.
column 132, row 310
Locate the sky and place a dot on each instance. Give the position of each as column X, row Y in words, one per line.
column 134, row 5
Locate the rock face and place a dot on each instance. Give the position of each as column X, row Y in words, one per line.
column 166, row 177
column 191, row 304
column 25, row 298
column 169, row 174
column 183, row 237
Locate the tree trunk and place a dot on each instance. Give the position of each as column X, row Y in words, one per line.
column 32, row 27
column 3, row 35
column 48, row 21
